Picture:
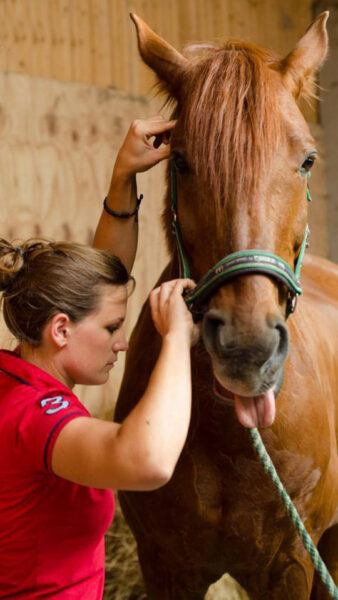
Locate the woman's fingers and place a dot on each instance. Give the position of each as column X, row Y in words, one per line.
column 173, row 289
column 177, row 286
column 159, row 126
column 160, row 130
column 154, row 304
column 168, row 309
column 161, row 138
column 183, row 284
column 166, row 290
column 138, row 153
column 162, row 153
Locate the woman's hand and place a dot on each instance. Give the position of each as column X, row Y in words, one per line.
column 169, row 310
column 137, row 153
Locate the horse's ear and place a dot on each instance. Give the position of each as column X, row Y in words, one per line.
column 168, row 64
column 301, row 64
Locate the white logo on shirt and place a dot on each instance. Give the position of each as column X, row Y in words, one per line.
column 56, row 401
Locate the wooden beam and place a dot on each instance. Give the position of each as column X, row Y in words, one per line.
column 328, row 79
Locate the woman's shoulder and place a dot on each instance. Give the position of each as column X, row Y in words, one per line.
column 34, row 408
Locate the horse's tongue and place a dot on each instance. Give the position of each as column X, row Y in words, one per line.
column 258, row 411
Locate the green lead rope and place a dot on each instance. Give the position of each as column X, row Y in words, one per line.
column 307, row 542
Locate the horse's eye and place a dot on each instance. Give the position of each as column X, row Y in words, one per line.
column 308, row 163
column 180, row 163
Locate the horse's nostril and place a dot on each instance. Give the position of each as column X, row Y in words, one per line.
column 214, row 332
column 220, row 340
column 283, row 339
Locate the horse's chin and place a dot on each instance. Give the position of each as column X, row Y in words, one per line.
column 227, row 388
column 248, row 383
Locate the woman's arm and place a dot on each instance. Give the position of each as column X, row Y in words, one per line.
column 137, row 154
column 141, row 453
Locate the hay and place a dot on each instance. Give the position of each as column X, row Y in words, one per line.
column 123, row 574
column 226, row 589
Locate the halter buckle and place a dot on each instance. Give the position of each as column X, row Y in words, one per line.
column 291, row 304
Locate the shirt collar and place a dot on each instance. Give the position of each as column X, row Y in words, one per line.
column 27, row 373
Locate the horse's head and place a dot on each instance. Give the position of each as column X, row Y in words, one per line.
column 242, row 151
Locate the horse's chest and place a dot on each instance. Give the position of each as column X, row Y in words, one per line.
column 231, row 493
column 222, row 498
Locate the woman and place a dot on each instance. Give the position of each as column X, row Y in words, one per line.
column 66, row 304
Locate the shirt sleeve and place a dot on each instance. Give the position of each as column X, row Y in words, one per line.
column 40, row 424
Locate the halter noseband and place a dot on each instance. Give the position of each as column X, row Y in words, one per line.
column 237, row 263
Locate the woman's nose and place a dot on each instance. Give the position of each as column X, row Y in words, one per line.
column 121, row 345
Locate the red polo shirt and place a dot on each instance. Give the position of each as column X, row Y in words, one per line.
column 51, row 530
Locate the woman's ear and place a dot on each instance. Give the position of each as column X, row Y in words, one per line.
column 58, row 329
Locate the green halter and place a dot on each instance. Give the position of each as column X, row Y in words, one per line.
column 237, row 263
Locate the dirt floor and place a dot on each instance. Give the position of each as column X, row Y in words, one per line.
column 123, row 575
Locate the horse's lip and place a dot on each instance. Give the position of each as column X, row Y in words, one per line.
column 222, row 392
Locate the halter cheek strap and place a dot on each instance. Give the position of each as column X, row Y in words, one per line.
column 237, row 263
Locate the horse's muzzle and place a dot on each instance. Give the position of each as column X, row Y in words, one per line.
column 247, row 359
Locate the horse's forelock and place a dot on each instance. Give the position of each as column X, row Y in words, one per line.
column 231, row 118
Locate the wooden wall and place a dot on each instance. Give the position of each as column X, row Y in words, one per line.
column 328, row 79
column 93, row 41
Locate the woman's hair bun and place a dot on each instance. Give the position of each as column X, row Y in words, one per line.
column 14, row 257
column 12, row 260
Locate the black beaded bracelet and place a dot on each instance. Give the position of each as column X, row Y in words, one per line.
column 123, row 215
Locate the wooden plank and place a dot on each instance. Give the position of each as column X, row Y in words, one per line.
column 61, row 36
column 115, row 62
column 146, row 75
column 119, row 46
column 40, row 37
column 93, row 41
column 19, row 39
column 80, row 55
column 100, row 45
column 130, row 42
column 220, row 20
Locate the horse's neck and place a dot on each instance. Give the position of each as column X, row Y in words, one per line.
column 171, row 271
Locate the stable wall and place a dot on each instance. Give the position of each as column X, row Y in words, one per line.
column 93, row 41
column 328, row 79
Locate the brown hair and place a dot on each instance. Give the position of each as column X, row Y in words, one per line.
column 41, row 278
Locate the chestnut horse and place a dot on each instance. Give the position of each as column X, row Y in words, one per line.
column 242, row 150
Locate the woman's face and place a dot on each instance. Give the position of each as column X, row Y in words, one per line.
column 96, row 340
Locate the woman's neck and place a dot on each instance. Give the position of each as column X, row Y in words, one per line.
column 47, row 361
